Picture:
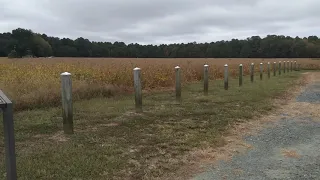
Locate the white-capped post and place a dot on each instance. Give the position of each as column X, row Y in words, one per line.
column 240, row 74
column 268, row 69
column 178, row 83
column 226, row 85
column 284, row 67
column 252, row 72
column 274, row 68
column 291, row 66
column 67, row 106
column 137, row 89
column 279, row 68
column 205, row 79
column 261, row 70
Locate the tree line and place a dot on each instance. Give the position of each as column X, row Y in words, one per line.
column 25, row 43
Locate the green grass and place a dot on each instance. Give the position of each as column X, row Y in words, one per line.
column 111, row 141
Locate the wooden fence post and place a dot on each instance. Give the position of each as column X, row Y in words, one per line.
column 291, row 66
column 226, row 85
column 268, row 70
column 295, row 65
column 178, row 83
column 67, row 106
column 274, row 68
column 252, row 72
column 240, row 74
column 206, row 79
column 261, row 70
column 284, row 67
column 279, row 68
column 137, row 89
column 288, row 66
column 9, row 139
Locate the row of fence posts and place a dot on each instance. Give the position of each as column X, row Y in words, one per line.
column 66, row 85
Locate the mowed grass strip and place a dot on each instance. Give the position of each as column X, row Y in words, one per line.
column 111, row 141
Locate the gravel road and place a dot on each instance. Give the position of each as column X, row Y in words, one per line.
column 290, row 149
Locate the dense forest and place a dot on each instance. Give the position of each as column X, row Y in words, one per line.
column 25, row 43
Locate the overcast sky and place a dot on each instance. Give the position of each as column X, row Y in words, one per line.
column 162, row 21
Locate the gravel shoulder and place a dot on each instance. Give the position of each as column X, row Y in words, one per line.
column 285, row 147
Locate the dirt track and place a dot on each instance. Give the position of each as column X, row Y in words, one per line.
column 287, row 147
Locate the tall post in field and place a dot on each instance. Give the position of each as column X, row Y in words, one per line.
column 295, row 65
column 274, row 68
column 288, row 66
column 206, row 79
column 9, row 139
column 178, row 83
column 252, row 72
column 261, row 70
column 269, row 70
column 137, row 89
column 240, row 74
column 291, row 66
column 279, row 68
column 67, row 106
column 284, row 67
column 226, row 85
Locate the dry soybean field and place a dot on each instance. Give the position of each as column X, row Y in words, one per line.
column 111, row 140
column 32, row 83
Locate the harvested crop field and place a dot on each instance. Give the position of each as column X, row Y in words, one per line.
column 33, row 83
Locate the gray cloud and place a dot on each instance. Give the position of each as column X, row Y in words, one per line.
column 162, row 21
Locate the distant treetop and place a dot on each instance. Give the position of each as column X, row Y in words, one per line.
column 25, row 43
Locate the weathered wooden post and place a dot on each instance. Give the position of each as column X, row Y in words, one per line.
column 252, row 72
column 291, row 66
column 274, row 68
column 206, row 79
column 137, row 89
column 288, row 66
column 226, row 85
column 261, row 70
column 67, row 106
column 268, row 70
column 178, row 83
column 9, row 140
column 295, row 65
column 284, row 67
column 240, row 74
column 279, row 68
